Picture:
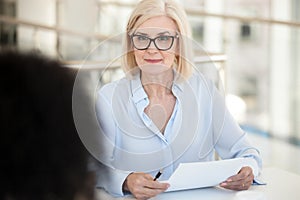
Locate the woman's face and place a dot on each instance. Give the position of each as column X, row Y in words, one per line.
column 159, row 57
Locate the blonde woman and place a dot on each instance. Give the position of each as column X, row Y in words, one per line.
column 163, row 112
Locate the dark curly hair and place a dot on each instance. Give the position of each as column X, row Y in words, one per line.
column 42, row 156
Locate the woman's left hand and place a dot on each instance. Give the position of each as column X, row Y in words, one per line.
column 240, row 181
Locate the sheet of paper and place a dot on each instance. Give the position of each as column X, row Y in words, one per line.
column 207, row 174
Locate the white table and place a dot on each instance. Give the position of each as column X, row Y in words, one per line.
column 280, row 185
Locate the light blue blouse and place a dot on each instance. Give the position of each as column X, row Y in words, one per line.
column 199, row 128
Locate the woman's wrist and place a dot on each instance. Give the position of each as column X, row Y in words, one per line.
column 125, row 186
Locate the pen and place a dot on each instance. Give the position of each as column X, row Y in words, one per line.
column 157, row 175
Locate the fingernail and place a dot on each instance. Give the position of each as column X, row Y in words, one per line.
column 223, row 184
column 229, row 180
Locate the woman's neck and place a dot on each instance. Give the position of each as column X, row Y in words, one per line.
column 158, row 85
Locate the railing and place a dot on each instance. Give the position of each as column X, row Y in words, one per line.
column 217, row 58
column 56, row 29
column 190, row 11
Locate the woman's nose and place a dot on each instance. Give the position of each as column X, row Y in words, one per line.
column 152, row 47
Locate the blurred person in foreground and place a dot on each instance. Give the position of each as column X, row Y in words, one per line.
column 42, row 157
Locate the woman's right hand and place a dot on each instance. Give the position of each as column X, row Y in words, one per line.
column 142, row 186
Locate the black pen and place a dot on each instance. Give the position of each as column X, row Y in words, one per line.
column 157, row 175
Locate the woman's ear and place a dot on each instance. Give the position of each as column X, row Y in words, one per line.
column 176, row 58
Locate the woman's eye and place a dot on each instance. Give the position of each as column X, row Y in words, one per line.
column 142, row 38
column 163, row 38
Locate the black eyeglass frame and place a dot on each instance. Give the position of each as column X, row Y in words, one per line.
column 153, row 40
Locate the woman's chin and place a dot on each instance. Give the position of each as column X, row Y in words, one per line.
column 153, row 69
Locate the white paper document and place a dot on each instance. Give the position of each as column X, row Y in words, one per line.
column 207, row 174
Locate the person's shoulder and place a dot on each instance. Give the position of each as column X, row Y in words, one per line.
column 111, row 85
column 199, row 80
column 109, row 88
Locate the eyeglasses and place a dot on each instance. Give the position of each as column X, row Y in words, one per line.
column 162, row 42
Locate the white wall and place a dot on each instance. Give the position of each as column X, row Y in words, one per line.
column 280, row 66
column 79, row 16
column 213, row 31
column 75, row 15
column 38, row 11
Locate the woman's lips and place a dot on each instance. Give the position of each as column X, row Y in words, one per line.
column 153, row 61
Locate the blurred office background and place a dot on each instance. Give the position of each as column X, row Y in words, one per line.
column 254, row 44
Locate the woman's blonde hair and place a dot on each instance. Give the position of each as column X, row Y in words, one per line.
column 147, row 9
